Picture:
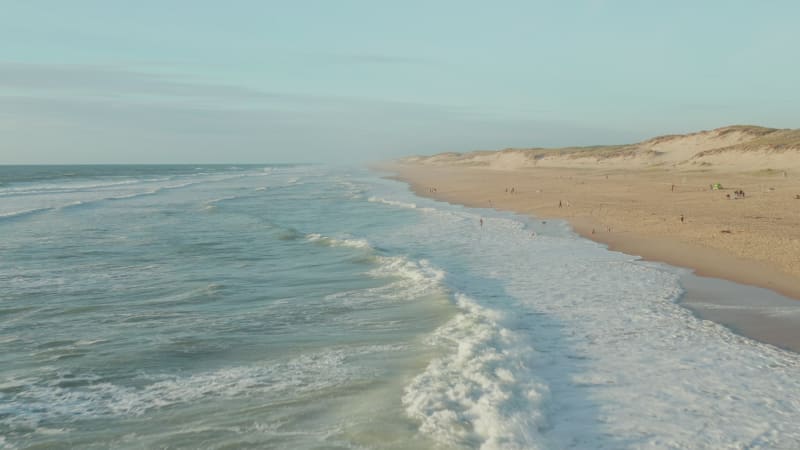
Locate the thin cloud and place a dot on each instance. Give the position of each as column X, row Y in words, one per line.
column 116, row 84
column 376, row 59
column 106, row 80
column 705, row 106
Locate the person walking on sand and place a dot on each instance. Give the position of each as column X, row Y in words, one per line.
column 559, row 204
column 681, row 218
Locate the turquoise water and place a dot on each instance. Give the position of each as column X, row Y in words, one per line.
column 316, row 307
column 172, row 306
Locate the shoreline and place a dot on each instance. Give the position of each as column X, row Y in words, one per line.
column 745, row 295
column 703, row 260
column 774, row 320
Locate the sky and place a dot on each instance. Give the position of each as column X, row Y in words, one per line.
column 171, row 81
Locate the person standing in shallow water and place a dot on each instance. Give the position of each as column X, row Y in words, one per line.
column 481, row 222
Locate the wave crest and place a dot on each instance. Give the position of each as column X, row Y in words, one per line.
column 481, row 393
column 333, row 242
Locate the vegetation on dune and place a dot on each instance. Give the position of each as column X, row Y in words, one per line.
column 760, row 138
column 752, row 138
column 601, row 151
column 774, row 140
column 778, row 139
column 749, row 129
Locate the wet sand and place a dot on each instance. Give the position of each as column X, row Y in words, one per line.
column 751, row 311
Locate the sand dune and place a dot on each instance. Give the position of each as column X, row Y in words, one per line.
column 735, row 148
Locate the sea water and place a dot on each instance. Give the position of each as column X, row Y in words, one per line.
column 313, row 307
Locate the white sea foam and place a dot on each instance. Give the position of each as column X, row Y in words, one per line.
column 134, row 195
column 8, row 339
column 22, row 213
column 420, row 272
column 354, row 191
column 87, row 342
column 408, row 280
column 154, row 191
column 222, row 199
column 392, row 202
column 201, row 292
column 4, row 444
column 90, row 194
column 481, row 392
column 399, row 204
column 50, row 188
column 211, row 205
column 180, row 185
column 624, row 365
column 304, row 374
column 40, row 189
column 75, row 203
column 333, row 242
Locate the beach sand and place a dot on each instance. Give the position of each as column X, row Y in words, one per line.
column 755, row 312
column 753, row 241
column 654, row 199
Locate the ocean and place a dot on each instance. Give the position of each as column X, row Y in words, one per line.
column 304, row 306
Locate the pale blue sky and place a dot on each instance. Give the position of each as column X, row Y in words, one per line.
column 109, row 81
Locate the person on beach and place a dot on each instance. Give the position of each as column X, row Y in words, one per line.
column 559, row 204
column 681, row 218
column 481, row 222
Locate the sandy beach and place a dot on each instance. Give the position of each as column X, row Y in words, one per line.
column 654, row 199
column 754, row 240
